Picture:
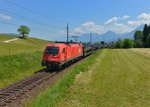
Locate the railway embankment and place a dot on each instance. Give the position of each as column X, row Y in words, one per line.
column 19, row 66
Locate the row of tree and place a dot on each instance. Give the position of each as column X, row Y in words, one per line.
column 142, row 38
column 126, row 43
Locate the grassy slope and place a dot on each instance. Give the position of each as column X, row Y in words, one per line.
column 21, row 45
column 4, row 37
column 51, row 96
column 19, row 66
column 119, row 78
column 19, row 59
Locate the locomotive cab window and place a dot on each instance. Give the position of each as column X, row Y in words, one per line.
column 63, row 51
column 52, row 50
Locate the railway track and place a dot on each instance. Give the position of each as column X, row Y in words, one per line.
column 13, row 91
column 17, row 89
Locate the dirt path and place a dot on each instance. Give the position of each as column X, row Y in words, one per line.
column 11, row 40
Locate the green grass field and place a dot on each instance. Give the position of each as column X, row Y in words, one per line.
column 19, row 59
column 119, row 78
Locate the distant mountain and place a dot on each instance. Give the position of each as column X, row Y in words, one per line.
column 108, row 36
column 131, row 34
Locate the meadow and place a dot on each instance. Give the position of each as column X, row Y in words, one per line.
column 119, row 78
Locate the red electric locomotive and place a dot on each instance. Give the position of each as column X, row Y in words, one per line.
column 59, row 54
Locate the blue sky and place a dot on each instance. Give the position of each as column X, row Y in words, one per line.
column 83, row 16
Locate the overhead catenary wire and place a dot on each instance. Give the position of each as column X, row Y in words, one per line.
column 14, row 15
column 42, row 30
column 74, row 35
column 19, row 25
column 37, row 13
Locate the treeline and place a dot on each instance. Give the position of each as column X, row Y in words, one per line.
column 141, row 39
column 126, row 43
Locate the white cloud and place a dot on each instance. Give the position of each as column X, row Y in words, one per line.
column 116, row 19
column 120, row 28
column 144, row 16
column 5, row 17
column 88, row 24
column 88, row 27
column 134, row 23
column 114, row 24
column 125, row 17
column 111, row 21
column 110, row 25
column 91, row 27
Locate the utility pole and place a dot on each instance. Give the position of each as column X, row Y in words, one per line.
column 75, row 38
column 67, row 32
column 91, row 38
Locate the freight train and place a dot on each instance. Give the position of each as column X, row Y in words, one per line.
column 59, row 54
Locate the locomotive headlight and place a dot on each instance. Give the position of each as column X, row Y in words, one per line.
column 51, row 59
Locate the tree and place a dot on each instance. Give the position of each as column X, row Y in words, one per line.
column 119, row 44
column 23, row 30
column 138, row 35
column 145, row 34
column 112, row 44
column 148, row 29
column 127, row 43
column 138, row 44
column 148, row 41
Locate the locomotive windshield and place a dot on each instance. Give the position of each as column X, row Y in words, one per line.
column 52, row 50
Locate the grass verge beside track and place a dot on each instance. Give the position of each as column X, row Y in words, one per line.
column 18, row 66
column 51, row 96
column 20, row 58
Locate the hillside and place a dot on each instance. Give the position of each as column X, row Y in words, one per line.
column 20, row 45
column 4, row 37
column 19, row 58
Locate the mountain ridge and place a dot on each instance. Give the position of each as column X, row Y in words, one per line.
column 108, row 36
